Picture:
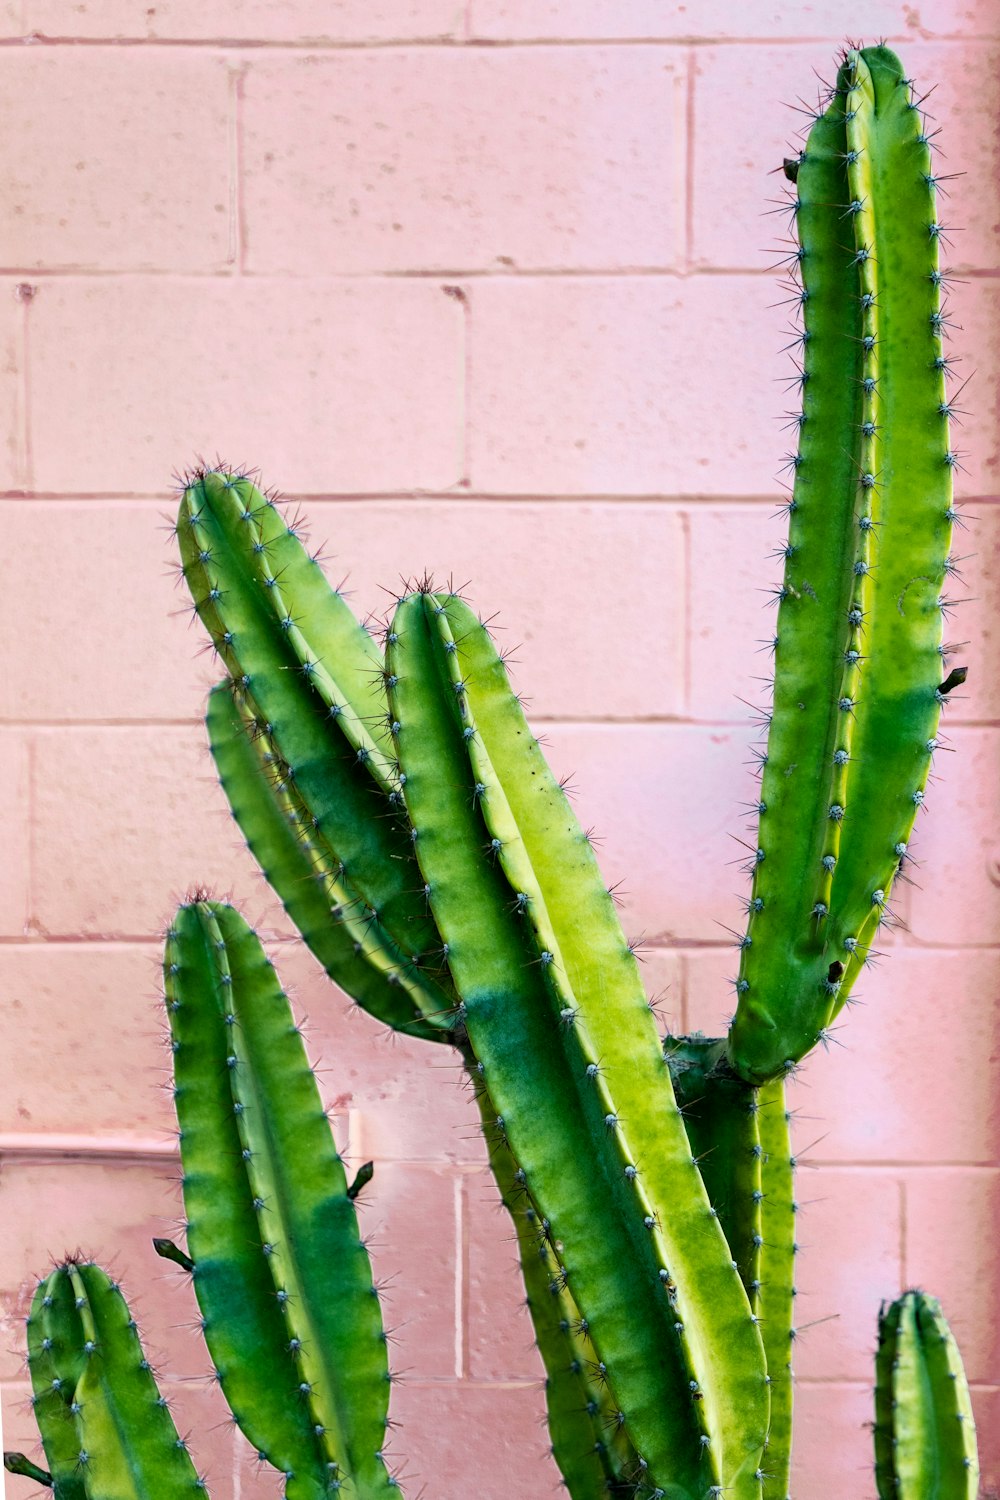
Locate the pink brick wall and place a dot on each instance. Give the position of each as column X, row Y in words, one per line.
column 485, row 283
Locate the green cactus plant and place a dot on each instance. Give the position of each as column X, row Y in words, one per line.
column 403, row 811
column 925, row 1436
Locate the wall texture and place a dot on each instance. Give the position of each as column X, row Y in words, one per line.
column 487, row 285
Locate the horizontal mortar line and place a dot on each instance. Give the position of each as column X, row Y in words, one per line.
column 407, row 496
column 229, row 273
column 59, row 1145
column 896, row 1166
column 474, row 43
column 63, row 1146
column 584, row 721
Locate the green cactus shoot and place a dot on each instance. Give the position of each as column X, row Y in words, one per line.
column 398, row 802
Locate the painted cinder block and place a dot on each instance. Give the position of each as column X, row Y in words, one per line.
column 63, row 1002
column 951, row 1250
column 407, row 1099
column 561, row 20
column 75, row 199
column 316, row 22
column 663, row 800
column 641, row 385
column 499, row 1338
column 958, row 897
column 409, row 1219
column 64, row 585
column 473, row 1439
column 873, row 1094
column 543, row 159
column 843, row 1211
column 15, row 296
column 110, row 1208
column 547, row 576
column 15, row 873
column 732, row 570
column 329, row 386
column 141, row 820
column 832, row 1455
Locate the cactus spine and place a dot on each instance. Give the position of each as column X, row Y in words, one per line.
column 404, row 813
column 925, row 1435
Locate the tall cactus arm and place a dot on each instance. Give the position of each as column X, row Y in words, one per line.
column 353, row 949
column 272, row 1230
column 781, row 980
column 225, row 558
column 549, row 863
column 858, row 645
column 910, row 505
column 925, row 1435
column 549, row 1111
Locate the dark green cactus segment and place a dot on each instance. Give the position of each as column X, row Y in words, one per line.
column 353, row 948
column 720, row 1116
column 925, row 1435
column 859, row 656
column 740, row 1138
column 610, row 1034
column 592, row 1450
column 129, row 1446
column 548, row 1109
column 242, row 1323
column 55, row 1342
column 343, row 785
column 775, row 1302
column 911, row 498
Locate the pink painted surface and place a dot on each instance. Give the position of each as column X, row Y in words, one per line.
column 486, row 285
